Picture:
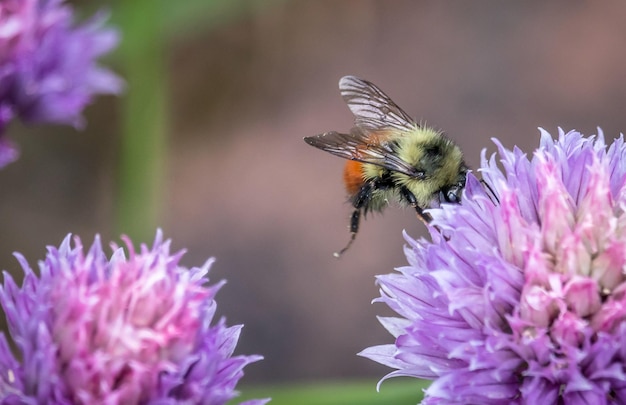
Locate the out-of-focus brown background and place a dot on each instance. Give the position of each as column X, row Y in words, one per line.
column 241, row 184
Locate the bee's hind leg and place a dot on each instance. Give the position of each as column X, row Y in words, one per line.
column 360, row 202
column 355, row 219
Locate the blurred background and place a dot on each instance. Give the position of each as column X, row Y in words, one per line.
column 219, row 96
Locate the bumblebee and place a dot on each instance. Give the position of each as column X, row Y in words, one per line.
column 391, row 158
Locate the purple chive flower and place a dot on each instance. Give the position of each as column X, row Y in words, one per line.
column 124, row 330
column 48, row 70
column 521, row 301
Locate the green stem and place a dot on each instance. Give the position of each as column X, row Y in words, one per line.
column 143, row 140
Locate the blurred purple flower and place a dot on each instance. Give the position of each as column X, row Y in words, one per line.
column 521, row 301
column 122, row 330
column 48, row 70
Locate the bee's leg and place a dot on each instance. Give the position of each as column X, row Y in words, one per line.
column 355, row 218
column 360, row 203
column 410, row 198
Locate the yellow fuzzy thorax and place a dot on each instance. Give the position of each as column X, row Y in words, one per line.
column 417, row 148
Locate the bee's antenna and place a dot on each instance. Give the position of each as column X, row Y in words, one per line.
column 352, row 237
column 493, row 193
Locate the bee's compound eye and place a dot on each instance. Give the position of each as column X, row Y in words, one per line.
column 453, row 195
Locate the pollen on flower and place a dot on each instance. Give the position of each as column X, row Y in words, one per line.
column 527, row 294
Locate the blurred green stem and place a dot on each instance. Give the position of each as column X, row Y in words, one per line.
column 144, row 121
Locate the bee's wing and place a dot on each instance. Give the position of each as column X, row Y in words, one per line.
column 373, row 109
column 358, row 146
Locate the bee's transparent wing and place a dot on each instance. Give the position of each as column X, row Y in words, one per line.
column 373, row 109
column 358, row 146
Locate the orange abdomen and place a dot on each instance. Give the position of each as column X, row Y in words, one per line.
column 353, row 176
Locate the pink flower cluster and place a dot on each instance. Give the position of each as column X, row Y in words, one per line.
column 132, row 330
